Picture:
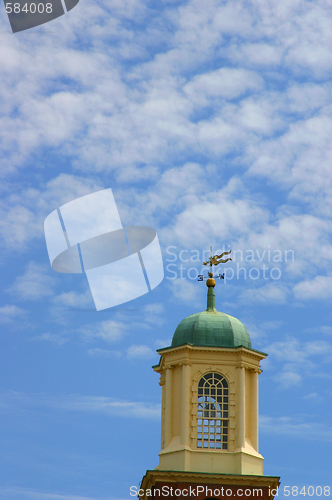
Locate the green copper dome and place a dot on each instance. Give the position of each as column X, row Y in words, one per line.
column 211, row 328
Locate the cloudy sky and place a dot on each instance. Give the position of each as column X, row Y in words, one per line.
column 211, row 122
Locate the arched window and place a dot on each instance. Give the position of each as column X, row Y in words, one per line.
column 212, row 412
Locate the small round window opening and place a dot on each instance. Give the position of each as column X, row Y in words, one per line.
column 212, row 412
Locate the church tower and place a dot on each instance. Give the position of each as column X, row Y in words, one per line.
column 209, row 418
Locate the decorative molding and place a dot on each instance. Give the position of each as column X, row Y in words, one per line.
column 188, row 347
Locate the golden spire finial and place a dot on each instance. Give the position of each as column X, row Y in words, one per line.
column 210, row 281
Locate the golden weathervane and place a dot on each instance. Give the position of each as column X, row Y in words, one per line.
column 214, row 261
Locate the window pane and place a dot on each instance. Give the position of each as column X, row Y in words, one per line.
column 212, row 403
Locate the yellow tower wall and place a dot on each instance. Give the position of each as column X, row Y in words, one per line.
column 180, row 370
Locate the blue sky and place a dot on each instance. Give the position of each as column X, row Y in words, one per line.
column 211, row 122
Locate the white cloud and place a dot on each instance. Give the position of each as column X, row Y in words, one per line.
column 146, row 106
column 299, row 160
column 229, row 211
column 299, row 359
column 272, row 325
column 304, row 97
column 299, row 238
column 261, row 54
column 74, row 299
column 108, row 331
column 153, row 314
column 155, row 108
column 314, row 397
column 34, row 284
column 261, row 331
column 132, row 352
column 51, row 337
column 109, row 406
column 154, row 308
column 18, row 224
column 73, row 402
column 325, row 330
column 10, row 313
column 185, row 291
column 288, row 378
column 294, row 350
column 23, row 213
column 296, row 426
column 276, row 293
column 227, row 83
column 105, row 353
column 319, row 288
column 140, row 352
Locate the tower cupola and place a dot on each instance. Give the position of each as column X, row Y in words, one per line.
column 209, row 379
